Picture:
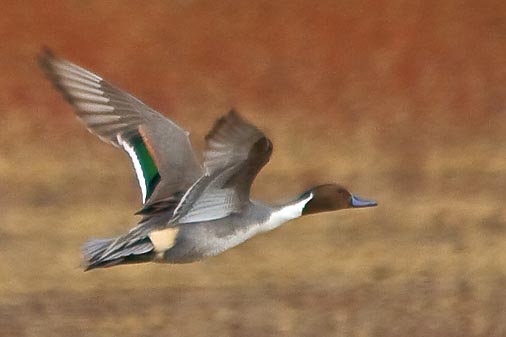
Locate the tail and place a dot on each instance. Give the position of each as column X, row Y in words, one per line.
column 103, row 253
column 92, row 250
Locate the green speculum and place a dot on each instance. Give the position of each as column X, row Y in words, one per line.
column 147, row 163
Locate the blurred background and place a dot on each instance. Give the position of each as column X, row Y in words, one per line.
column 401, row 101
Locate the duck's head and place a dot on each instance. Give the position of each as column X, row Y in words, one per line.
column 332, row 197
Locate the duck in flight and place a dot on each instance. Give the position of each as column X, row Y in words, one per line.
column 190, row 211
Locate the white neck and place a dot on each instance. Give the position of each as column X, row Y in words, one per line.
column 285, row 213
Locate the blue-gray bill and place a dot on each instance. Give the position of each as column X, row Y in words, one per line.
column 361, row 202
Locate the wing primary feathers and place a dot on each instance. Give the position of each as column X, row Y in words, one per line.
column 120, row 119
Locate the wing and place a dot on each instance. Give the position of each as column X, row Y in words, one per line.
column 235, row 143
column 160, row 150
column 236, row 151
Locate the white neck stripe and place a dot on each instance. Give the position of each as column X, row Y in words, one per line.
column 286, row 213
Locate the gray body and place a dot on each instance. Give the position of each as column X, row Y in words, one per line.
column 195, row 241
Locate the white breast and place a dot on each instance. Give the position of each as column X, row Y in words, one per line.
column 285, row 213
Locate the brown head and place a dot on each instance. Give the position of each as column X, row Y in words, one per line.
column 333, row 197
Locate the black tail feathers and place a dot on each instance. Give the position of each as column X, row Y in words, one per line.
column 103, row 253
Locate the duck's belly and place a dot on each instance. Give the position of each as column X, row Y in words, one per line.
column 197, row 241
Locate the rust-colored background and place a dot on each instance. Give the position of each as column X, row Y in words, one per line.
column 402, row 101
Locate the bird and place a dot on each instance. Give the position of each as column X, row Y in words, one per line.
column 190, row 210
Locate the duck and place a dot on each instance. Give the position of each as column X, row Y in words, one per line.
column 190, row 210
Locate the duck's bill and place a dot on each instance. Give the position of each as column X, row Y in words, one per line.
column 357, row 202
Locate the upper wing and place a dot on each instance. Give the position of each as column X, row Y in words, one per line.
column 235, row 143
column 236, row 151
column 160, row 150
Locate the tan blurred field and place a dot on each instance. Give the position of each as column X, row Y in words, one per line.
column 400, row 101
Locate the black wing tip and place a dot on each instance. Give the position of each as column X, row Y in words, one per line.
column 233, row 113
column 47, row 59
column 45, row 50
column 230, row 119
column 45, row 56
column 216, row 126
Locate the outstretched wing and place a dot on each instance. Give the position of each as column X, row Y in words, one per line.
column 236, row 151
column 160, row 150
column 235, row 143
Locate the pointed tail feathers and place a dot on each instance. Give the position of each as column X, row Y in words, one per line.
column 93, row 250
column 102, row 253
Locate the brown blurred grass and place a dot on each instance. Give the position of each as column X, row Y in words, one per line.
column 399, row 101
